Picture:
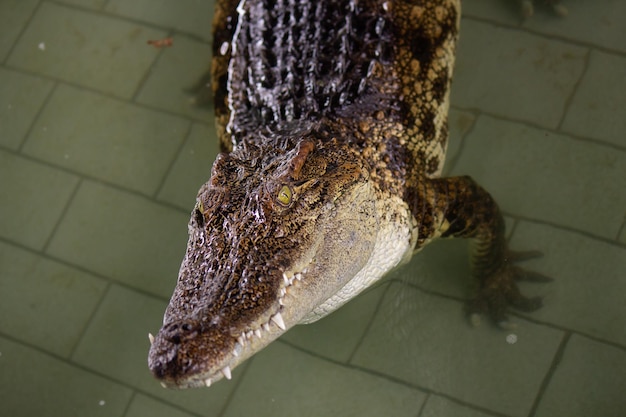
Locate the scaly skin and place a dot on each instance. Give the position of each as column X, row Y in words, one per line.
column 332, row 121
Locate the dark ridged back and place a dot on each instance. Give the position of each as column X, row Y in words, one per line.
column 371, row 72
column 295, row 62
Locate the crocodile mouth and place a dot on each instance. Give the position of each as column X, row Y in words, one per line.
column 249, row 339
column 243, row 344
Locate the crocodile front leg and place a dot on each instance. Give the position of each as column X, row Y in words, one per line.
column 461, row 208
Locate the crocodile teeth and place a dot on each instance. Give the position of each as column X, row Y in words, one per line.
column 257, row 332
column 207, row 382
column 266, row 326
column 278, row 319
column 151, row 338
column 285, row 279
column 226, row 372
column 298, row 276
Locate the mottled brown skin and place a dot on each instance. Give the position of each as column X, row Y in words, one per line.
column 332, row 120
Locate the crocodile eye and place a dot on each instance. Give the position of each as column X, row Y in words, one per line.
column 198, row 214
column 284, row 195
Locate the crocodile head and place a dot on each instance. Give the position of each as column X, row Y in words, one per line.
column 277, row 237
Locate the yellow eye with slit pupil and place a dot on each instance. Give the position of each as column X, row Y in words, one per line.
column 285, row 195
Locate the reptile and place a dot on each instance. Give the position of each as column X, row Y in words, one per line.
column 332, row 121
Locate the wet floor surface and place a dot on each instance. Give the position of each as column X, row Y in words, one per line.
column 101, row 155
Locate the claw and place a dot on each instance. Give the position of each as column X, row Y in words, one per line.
column 532, row 276
column 520, row 256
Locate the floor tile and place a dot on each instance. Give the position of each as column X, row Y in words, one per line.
column 587, row 294
column 189, row 16
column 502, row 11
column 54, row 302
column 337, row 335
column 531, row 72
column 13, row 16
column 441, row 407
column 537, row 174
column 460, row 123
column 598, row 109
column 514, row 74
column 589, row 381
column 21, row 96
column 124, row 237
column 89, row 4
column 442, row 267
column 107, row 139
column 36, row 384
column 173, row 75
column 32, row 199
column 599, row 22
column 431, row 345
column 282, row 381
column 143, row 406
column 192, row 167
column 116, row 344
column 99, row 52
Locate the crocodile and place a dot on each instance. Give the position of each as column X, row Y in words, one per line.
column 332, row 121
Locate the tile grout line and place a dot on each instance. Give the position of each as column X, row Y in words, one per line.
column 88, row 322
column 546, row 36
column 238, row 383
column 102, row 13
column 621, row 230
column 520, row 315
column 40, row 110
column 170, row 167
column 83, row 368
column 100, row 181
column 573, row 136
column 62, row 215
column 423, row 407
column 569, row 100
column 581, row 233
column 80, row 268
column 558, row 356
column 144, row 79
column 133, row 395
column 367, row 328
column 106, row 94
column 21, row 33
column 390, row 378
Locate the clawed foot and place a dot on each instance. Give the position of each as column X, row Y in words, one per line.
column 499, row 291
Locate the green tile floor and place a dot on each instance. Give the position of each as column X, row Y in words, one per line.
column 101, row 154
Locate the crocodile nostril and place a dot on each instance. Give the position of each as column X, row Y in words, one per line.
column 176, row 332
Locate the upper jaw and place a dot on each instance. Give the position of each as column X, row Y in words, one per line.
column 236, row 345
